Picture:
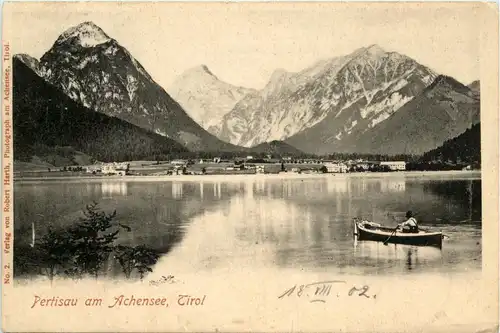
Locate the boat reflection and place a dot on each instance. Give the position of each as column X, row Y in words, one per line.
column 407, row 256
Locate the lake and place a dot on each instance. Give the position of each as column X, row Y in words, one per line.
column 301, row 223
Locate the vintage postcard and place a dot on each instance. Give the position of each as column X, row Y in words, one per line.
column 245, row 166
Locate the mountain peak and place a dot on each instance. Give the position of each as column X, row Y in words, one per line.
column 200, row 70
column 374, row 50
column 371, row 52
column 205, row 69
column 448, row 81
column 375, row 47
column 86, row 34
column 277, row 74
column 205, row 97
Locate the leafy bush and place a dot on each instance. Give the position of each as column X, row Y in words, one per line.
column 84, row 249
column 139, row 258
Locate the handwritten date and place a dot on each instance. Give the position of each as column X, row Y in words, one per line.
column 319, row 291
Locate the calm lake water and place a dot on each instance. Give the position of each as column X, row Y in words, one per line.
column 278, row 223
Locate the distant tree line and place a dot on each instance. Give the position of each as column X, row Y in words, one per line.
column 263, row 156
column 464, row 151
column 466, row 148
column 439, row 166
column 372, row 157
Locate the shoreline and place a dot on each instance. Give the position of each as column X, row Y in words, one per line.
column 459, row 174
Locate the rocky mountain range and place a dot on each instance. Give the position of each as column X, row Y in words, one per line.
column 205, row 97
column 362, row 88
column 49, row 124
column 352, row 104
column 370, row 101
column 440, row 112
column 96, row 71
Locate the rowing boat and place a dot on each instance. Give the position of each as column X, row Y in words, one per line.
column 369, row 231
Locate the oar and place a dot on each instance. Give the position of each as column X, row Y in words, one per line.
column 385, row 243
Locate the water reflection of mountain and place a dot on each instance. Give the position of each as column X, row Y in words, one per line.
column 313, row 228
column 384, row 199
column 329, row 185
column 157, row 213
column 161, row 211
column 139, row 204
column 282, row 233
column 300, row 223
column 298, row 233
column 467, row 193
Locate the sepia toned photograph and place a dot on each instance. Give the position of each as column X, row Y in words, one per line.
column 286, row 161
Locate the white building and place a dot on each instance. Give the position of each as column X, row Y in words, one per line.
column 92, row 168
column 395, row 165
column 114, row 168
column 361, row 166
column 336, row 167
column 178, row 162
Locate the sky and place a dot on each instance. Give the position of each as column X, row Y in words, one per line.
column 243, row 43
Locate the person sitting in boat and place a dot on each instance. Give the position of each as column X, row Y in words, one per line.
column 410, row 225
